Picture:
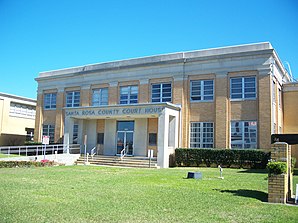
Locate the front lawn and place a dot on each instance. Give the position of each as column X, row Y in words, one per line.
column 102, row 194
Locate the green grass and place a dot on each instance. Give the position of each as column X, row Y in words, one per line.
column 7, row 156
column 99, row 194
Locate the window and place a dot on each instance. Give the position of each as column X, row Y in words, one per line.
column 201, row 135
column 100, row 138
column 129, row 95
column 152, row 139
column 100, row 97
column 161, row 92
column 21, row 110
column 244, row 134
column 50, row 101
column 273, row 92
column 73, row 99
column 201, row 90
column 279, row 98
column 49, row 130
column 243, row 88
column 75, row 134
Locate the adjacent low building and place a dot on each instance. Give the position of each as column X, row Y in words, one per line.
column 230, row 97
column 17, row 119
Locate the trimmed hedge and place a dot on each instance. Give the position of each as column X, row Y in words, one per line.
column 12, row 164
column 276, row 168
column 225, row 157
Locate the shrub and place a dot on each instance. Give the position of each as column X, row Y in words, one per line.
column 32, row 143
column 12, row 164
column 224, row 157
column 277, row 167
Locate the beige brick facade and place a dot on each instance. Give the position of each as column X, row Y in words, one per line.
column 180, row 69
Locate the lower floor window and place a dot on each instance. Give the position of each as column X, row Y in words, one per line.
column 201, row 135
column 244, row 134
column 49, row 130
column 75, row 134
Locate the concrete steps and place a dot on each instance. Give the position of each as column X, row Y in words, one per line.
column 134, row 162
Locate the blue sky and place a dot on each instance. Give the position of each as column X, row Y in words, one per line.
column 45, row 35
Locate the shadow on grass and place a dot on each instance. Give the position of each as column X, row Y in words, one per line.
column 265, row 171
column 259, row 195
column 295, row 172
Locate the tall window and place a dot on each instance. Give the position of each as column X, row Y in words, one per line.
column 50, row 101
column 161, row 92
column 75, row 134
column 273, row 92
column 73, row 99
column 243, row 88
column 201, row 135
column 201, row 90
column 129, row 95
column 49, row 130
column 279, row 98
column 244, row 134
column 100, row 97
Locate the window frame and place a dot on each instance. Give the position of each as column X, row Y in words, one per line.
column 202, row 91
column 51, row 102
column 243, row 88
column 202, row 126
column 243, row 143
column 50, row 131
column 161, row 98
column 129, row 95
column 73, row 103
column 99, row 100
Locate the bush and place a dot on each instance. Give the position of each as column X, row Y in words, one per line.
column 225, row 157
column 12, row 164
column 276, row 168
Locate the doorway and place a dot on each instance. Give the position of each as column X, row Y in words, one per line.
column 125, row 134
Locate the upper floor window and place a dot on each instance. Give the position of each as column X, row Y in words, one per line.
column 201, row 90
column 129, row 95
column 73, row 99
column 243, row 88
column 273, row 92
column 100, row 97
column 50, row 101
column 201, row 135
column 21, row 110
column 49, row 130
column 244, row 134
column 161, row 92
column 279, row 98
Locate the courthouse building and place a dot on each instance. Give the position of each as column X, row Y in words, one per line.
column 230, row 97
column 17, row 119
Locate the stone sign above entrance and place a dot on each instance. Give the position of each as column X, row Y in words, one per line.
column 113, row 111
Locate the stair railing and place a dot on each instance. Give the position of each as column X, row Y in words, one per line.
column 122, row 154
column 93, row 152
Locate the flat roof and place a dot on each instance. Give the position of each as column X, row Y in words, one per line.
column 17, row 97
column 163, row 58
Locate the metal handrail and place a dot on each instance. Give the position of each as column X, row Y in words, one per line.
column 92, row 153
column 122, row 154
column 36, row 150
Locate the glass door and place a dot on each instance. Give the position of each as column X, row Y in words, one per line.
column 125, row 130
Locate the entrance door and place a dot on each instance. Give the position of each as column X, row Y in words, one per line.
column 125, row 130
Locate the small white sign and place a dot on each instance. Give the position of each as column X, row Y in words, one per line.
column 46, row 140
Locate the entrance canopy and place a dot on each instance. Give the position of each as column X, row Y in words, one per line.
column 120, row 111
column 134, row 139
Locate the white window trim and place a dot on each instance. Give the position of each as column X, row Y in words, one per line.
column 51, row 98
column 161, row 87
column 201, row 135
column 73, row 98
column 243, row 143
column 129, row 94
column 100, row 96
column 202, row 90
column 243, row 90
